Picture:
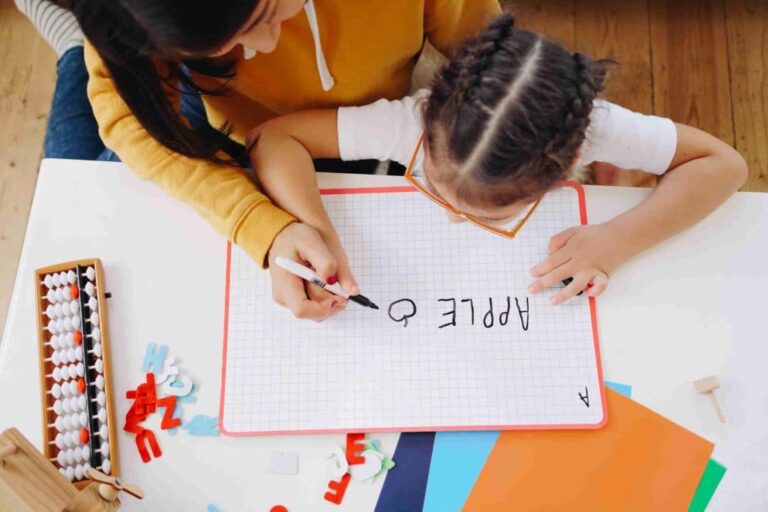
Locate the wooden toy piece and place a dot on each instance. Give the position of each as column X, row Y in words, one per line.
column 75, row 383
column 707, row 386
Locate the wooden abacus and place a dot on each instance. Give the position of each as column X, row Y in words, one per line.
column 79, row 426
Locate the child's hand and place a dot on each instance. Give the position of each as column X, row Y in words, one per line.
column 303, row 243
column 588, row 254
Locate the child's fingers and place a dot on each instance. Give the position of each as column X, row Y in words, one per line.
column 552, row 278
column 549, row 264
column 558, row 241
column 599, row 284
column 577, row 285
column 295, row 298
column 330, row 302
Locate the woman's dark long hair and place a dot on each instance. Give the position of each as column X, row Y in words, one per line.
column 145, row 45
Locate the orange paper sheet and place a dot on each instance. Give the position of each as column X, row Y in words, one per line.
column 639, row 461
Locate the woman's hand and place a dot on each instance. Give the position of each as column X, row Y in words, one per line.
column 588, row 254
column 303, row 243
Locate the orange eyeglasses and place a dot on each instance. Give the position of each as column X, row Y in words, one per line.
column 509, row 233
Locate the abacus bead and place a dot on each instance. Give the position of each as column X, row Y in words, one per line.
column 89, row 288
column 55, row 280
column 70, row 473
column 72, row 371
column 58, row 407
column 56, row 358
column 105, row 448
column 56, row 390
column 51, row 296
column 63, row 278
column 61, row 458
column 80, row 369
column 94, row 318
column 48, row 281
column 93, row 304
column 69, row 339
column 90, row 273
column 100, row 382
column 50, row 311
column 102, row 414
column 99, row 365
column 83, row 419
column 81, row 402
column 74, row 307
column 97, row 349
column 71, row 277
column 79, row 472
column 74, row 386
column 101, row 398
column 96, row 334
column 76, row 322
column 59, row 441
column 84, row 439
column 106, row 466
column 104, row 432
column 65, row 406
column 52, row 327
column 59, row 295
column 57, row 374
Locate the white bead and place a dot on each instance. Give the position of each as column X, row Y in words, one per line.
column 56, row 390
column 74, row 403
column 65, row 389
column 61, row 458
column 55, row 280
column 90, row 273
column 52, row 327
column 100, row 382
column 85, row 451
column 96, row 334
column 99, row 365
column 102, row 414
column 106, row 466
column 57, row 374
column 69, row 439
column 104, row 432
column 58, row 407
column 71, row 456
column 72, row 355
column 59, row 295
column 89, row 288
column 86, row 466
column 63, row 278
column 93, row 304
column 76, row 322
column 67, row 324
column 95, row 318
column 79, row 353
column 77, row 455
column 73, row 387
column 59, row 441
column 104, row 448
column 69, row 340
column 51, row 296
column 74, row 307
column 97, row 349
column 56, row 358
column 50, row 311
column 101, row 398
column 48, row 281
column 81, row 402
column 79, row 472
column 83, row 419
column 59, row 424
column 60, row 325
column 65, row 407
column 67, row 422
column 63, row 356
column 80, row 369
column 70, row 473
column 72, row 371
column 71, row 277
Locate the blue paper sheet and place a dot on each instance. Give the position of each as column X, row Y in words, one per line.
column 405, row 484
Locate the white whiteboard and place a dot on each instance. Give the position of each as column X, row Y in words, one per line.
column 527, row 365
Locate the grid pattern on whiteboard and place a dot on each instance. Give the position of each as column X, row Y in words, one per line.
column 457, row 343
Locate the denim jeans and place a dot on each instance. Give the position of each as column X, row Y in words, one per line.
column 72, row 129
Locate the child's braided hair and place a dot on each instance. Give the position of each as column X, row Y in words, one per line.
column 507, row 116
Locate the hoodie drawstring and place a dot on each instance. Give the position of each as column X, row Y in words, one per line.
column 326, row 79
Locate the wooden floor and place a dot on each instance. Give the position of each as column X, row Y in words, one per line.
column 701, row 62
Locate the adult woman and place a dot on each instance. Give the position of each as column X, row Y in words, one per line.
column 337, row 53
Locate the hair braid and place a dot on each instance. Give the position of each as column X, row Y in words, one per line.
column 590, row 76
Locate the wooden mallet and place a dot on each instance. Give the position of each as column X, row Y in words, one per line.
column 708, row 385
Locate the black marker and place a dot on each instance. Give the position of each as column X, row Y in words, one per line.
column 569, row 280
column 308, row 275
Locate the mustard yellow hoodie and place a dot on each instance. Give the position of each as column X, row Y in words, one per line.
column 366, row 50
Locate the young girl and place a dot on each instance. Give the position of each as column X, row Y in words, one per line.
column 508, row 117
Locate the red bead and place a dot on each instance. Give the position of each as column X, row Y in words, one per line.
column 74, row 291
column 278, row 508
column 81, row 385
column 84, row 436
column 78, row 337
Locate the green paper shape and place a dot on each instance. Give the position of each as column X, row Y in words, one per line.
column 387, row 463
column 711, row 478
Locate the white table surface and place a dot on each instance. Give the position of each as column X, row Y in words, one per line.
column 689, row 308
